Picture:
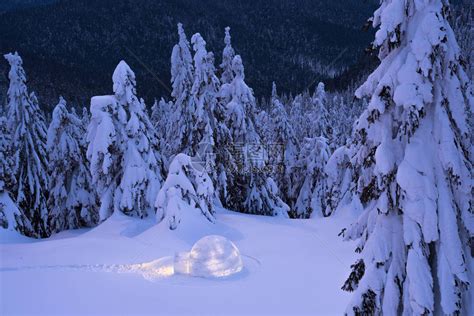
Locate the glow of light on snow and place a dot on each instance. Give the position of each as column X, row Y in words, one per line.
column 157, row 269
column 211, row 257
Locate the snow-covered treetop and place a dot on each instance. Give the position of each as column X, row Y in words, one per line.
column 124, row 83
column 227, row 37
column 181, row 66
column 241, row 108
column 417, row 45
column 238, row 67
column 203, row 63
column 242, row 92
column 16, row 74
column 60, row 114
column 227, row 57
column 17, row 92
column 200, row 59
column 320, row 93
column 101, row 134
column 274, row 91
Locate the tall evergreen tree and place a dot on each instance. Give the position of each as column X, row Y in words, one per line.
column 252, row 190
column 160, row 112
column 7, row 167
column 72, row 201
column 339, row 179
column 142, row 164
column 159, row 116
column 11, row 218
column 298, row 118
column 263, row 125
column 320, row 115
column 227, row 57
column 412, row 170
column 27, row 126
column 124, row 151
column 310, row 179
column 204, row 98
column 284, row 147
column 106, row 137
column 182, row 78
column 210, row 136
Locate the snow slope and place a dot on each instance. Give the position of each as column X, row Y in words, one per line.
column 292, row 267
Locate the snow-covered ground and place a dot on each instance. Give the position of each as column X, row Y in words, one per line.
column 292, row 267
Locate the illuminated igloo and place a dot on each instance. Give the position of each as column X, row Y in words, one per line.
column 210, row 257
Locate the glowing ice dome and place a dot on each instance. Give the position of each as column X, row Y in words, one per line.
column 211, row 256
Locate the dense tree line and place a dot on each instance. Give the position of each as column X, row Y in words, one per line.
column 116, row 157
column 71, row 46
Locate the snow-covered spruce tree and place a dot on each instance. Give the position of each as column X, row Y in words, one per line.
column 320, row 124
column 263, row 125
column 123, row 150
column 339, row 179
column 7, row 167
column 11, row 218
column 187, row 193
column 310, row 178
column 72, row 201
column 106, row 137
column 339, row 120
column 86, row 118
column 298, row 118
column 27, row 127
column 209, row 137
column 227, row 57
column 283, row 148
column 182, row 77
column 252, row 191
column 160, row 113
column 412, row 170
column 204, row 98
column 224, row 161
column 85, row 201
column 142, row 165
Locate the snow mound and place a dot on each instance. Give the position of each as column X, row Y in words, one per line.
column 211, row 257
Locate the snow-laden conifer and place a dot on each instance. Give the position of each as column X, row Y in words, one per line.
column 412, row 169
column 11, row 217
column 283, row 148
column 72, row 200
column 26, row 124
column 310, row 179
column 180, row 120
column 142, row 165
column 252, row 191
column 186, row 194
column 263, row 125
column 339, row 179
column 126, row 166
column 7, row 167
column 320, row 121
column 227, row 57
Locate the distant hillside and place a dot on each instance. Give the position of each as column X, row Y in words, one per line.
column 71, row 47
column 12, row 5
